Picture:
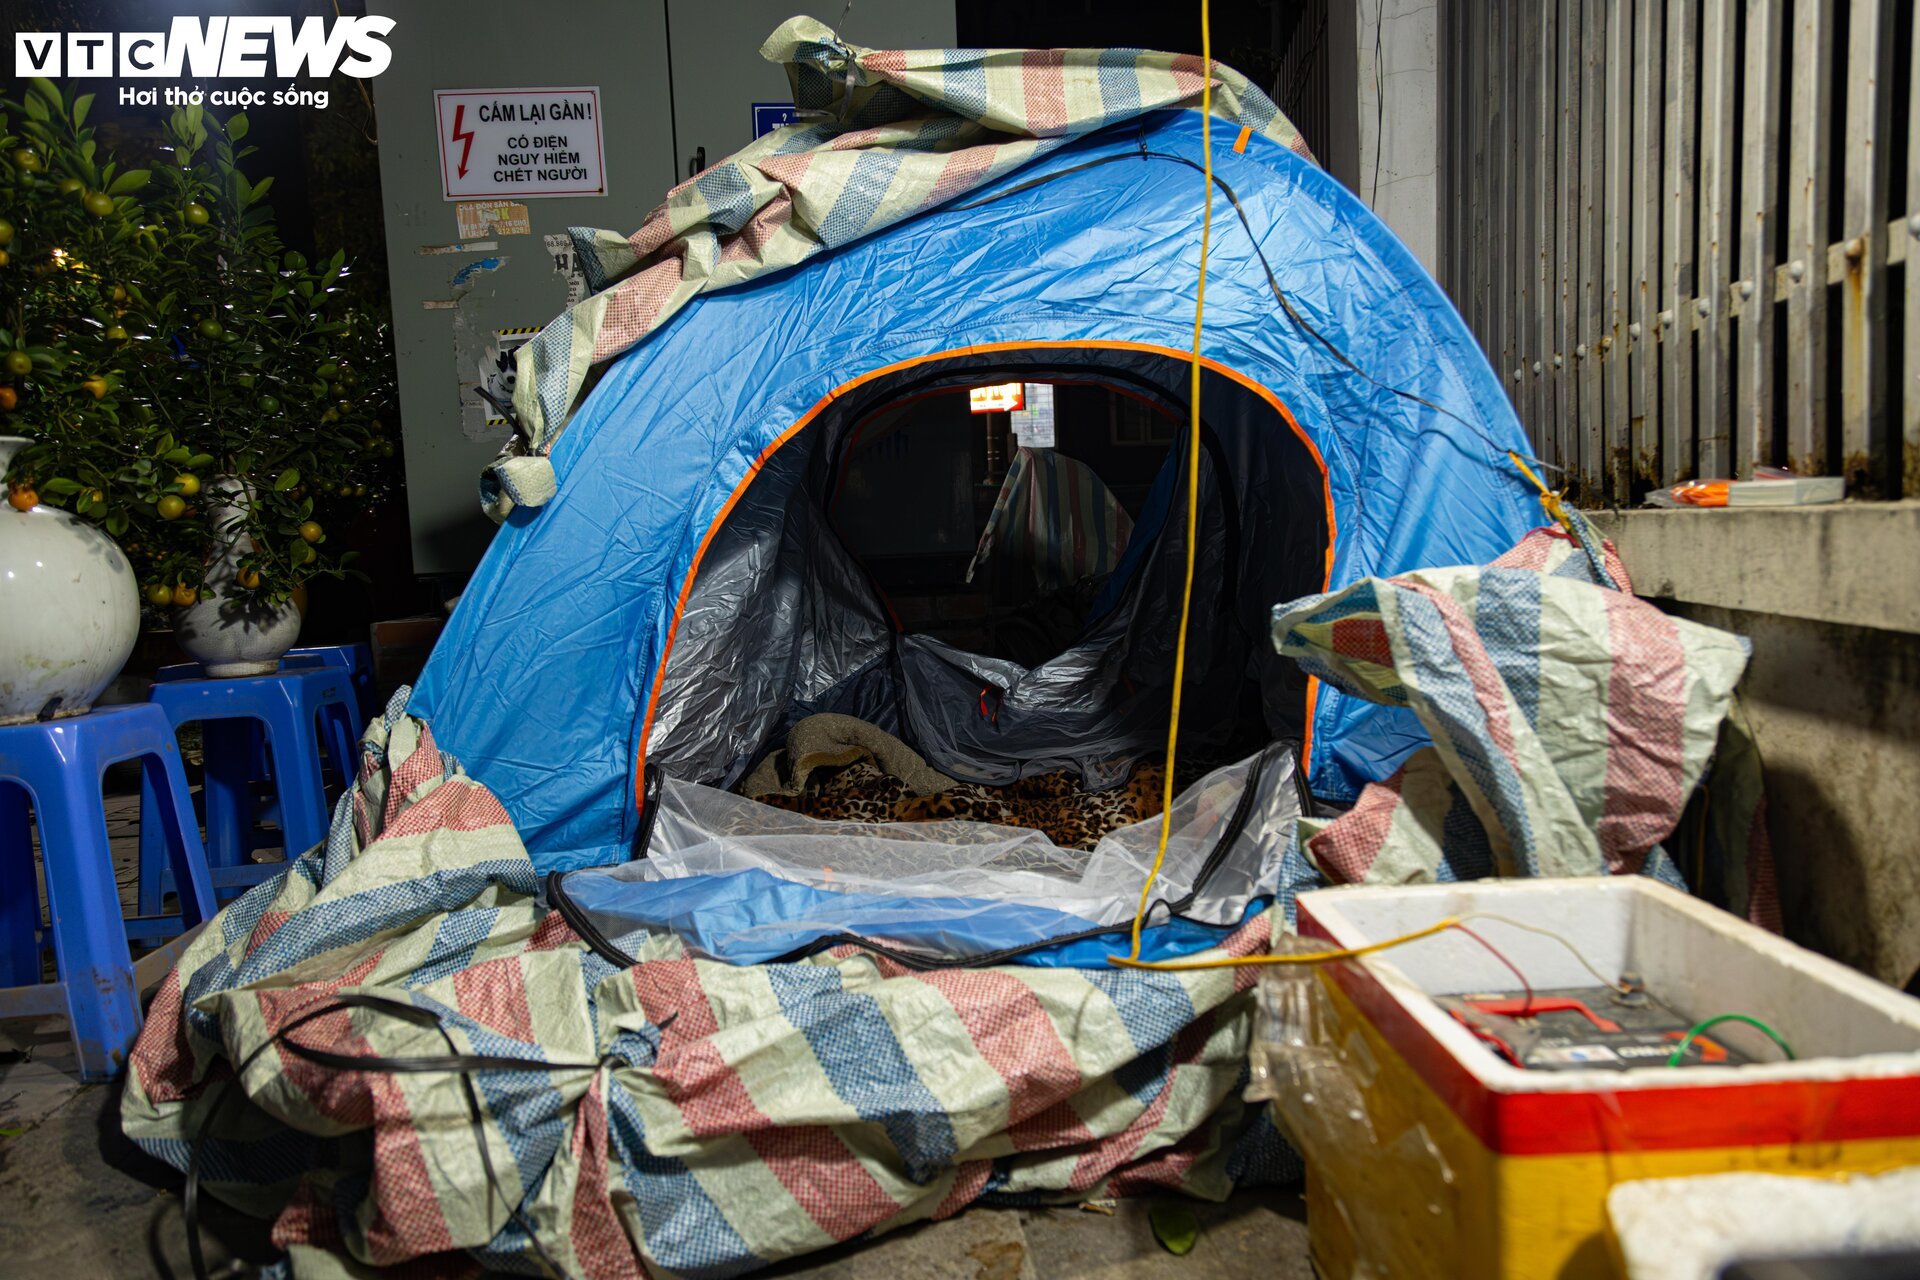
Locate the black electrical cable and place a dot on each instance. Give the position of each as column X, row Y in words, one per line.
column 649, row 806
column 1379, row 101
column 582, row 923
column 453, row 1061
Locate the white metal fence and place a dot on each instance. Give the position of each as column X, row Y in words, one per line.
column 1681, row 228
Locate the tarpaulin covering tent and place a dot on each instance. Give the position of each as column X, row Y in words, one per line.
column 626, row 1102
column 677, row 600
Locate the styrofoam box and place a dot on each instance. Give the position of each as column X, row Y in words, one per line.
column 1529, row 1155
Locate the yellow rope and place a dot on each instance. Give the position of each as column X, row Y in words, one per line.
column 1132, row 957
column 1549, row 498
column 1309, row 957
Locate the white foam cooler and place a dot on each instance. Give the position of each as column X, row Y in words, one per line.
column 1428, row 1154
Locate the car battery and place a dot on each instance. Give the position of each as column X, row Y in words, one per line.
column 1599, row 1028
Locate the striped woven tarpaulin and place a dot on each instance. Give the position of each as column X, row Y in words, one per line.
column 1056, row 516
column 1570, row 720
column 686, row 1116
column 883, row 134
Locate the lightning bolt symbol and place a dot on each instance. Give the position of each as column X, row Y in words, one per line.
column 462, row 136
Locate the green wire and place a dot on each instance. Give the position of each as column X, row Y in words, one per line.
column 1680, row 1050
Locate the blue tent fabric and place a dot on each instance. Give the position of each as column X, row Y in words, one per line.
column 753, row 917
column 542, row 680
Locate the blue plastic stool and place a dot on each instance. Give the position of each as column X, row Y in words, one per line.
column 59, row 764
column 294, row 711
column 356, row 660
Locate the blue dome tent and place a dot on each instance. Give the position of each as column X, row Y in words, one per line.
column 682, row 598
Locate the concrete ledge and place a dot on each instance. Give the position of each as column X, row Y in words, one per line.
column 1854, row 563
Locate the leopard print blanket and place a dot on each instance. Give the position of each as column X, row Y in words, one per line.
column 1052, row 803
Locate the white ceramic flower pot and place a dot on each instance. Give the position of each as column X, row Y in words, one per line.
column 225, row 631
column 69, row 609
column 230, row 636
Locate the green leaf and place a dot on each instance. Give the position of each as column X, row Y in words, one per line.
column 237, row 127
column 179, row 453
column 260, row 189
column 117, row 523
column 199, row 459
column 130, row 181
column 1175, row 1227
column 81, row 105
column 62, row 486
column 36, row 109
column 286, row 480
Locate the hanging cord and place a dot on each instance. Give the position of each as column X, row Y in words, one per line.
column 1348, row 953
column 1298, row 957
column 1193, row 485
column 1525, row 986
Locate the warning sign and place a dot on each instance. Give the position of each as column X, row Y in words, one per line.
column 522, row 143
